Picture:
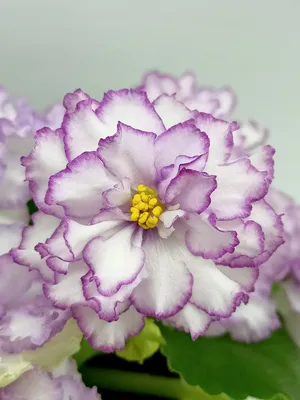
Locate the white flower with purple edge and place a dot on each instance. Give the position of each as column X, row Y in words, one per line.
column 18, row 123
column 144, row 214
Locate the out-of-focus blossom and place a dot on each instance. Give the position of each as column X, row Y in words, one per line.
column 62, row 384
column 143, row 214
column 27, row 318
column 220, row 102
column 50, row 356
column 256, row 320
column 18, row 124
column 286, row 266
column 251, row 136
column 251, row 322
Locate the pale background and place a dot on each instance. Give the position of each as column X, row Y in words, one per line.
column 50, row 47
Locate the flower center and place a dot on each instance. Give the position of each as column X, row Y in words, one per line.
column 146, row 207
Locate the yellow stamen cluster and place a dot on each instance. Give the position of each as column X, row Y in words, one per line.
column 146, row 208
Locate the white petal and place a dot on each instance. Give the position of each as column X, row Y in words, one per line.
column 83, row 130
column 47, row 158
column 254, row 321
column 216, row 328
column 246, row 277
column 14, row 216
column 108, row 336
column 168, row 218
column 204, row 239
column 35, row 385
column 120, row 194
column 171, row 111
column 191, row 320
column 10, row 237
column 130, row 154
column 220, row 136
column 79, row 187
column 239, row 185
column 43, row 227
column 183, row 139
column 156, row 84
column 191, row 190
column 68, row 291
column 114, row 268
column 24, row 325
column 168, row 287
column 131, row 107
column 14, row 190
column 108, row 308
column 271, row 224
column 254, row 135
column 213, row 291
column 71, row 237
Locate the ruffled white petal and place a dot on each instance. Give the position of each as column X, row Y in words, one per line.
column 171, row 111
column 115, row 268
column 79, row 187
column 47, row 158
column 43, row 227
column 213, row 291
column 130, row 107
column 191, row 320
column 130, row 154
column 169, row 285
column 83, row 130
column 108, row 336
column 203, row 238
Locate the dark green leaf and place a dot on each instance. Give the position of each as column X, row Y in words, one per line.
column 85, row 353
column 220, row 365
column 32, row 208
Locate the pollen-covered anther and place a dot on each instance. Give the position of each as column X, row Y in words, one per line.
column 146, row 207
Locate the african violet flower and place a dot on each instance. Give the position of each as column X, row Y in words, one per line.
column 284, row 265
column 27, row 318
column 218, row 102
column 18, row 123
column 142, row 213
column 62, row 384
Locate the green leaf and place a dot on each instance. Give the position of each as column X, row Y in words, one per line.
column 32, row 208
column 220, row 365
column 196, row 393
column 144, row 345
column 276, row 397
column 85, row 353
column 275, row 288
